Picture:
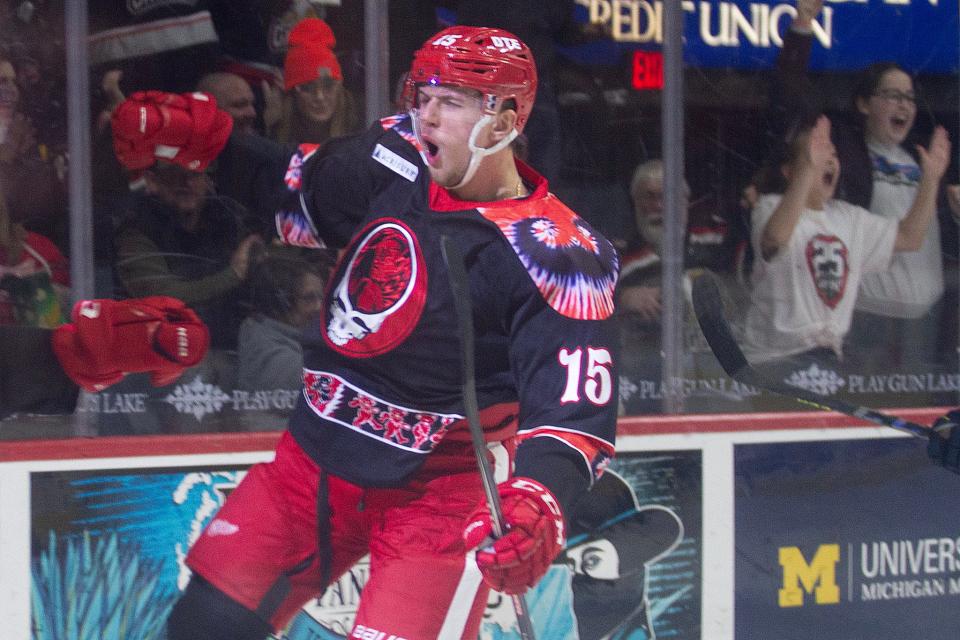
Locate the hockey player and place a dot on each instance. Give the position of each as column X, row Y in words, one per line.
column 377, row 458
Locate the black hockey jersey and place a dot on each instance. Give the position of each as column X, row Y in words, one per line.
column 382, row 370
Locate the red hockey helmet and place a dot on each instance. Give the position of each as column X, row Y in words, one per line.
column 493, row 61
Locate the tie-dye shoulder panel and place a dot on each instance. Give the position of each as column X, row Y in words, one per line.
column 402, row 125
column 574, row 267
column 293, row 178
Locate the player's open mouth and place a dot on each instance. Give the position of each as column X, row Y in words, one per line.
column 828, row 178
column 899, row 122
column 431, row 150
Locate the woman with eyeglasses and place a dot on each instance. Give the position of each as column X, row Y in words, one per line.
column 315, row 105
column 286, row 292
column 897, row 317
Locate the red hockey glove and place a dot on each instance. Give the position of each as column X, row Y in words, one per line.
column 533, row 538
column 110, row 338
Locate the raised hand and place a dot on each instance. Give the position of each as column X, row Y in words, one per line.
column 807, row 10
column 935, row 159
column 820, row 149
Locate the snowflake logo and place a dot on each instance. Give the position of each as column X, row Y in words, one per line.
column 823, row 382
column 197, row 398
column 627, row 388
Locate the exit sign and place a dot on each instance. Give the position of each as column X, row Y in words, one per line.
column 647, row 70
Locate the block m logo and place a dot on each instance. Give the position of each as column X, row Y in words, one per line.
column 820, row 573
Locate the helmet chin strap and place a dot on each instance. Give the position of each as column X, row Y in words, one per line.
column 478, row 153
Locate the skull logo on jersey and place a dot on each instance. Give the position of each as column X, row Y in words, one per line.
column 379, row 291
column 828, row 264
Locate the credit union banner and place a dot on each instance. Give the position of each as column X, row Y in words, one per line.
column 921, row 35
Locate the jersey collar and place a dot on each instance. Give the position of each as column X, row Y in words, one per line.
column 443, row 200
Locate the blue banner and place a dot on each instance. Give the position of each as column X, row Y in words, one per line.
column 921, row 35
column 845, row 539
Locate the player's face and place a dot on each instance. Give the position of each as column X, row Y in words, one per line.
column 892, row 108
column 445, row 117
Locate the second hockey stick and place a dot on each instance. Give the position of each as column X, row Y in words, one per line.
column 708, row 306
column 457, row 273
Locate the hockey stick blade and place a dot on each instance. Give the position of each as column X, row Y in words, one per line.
column 457, row 273
column 708, row 307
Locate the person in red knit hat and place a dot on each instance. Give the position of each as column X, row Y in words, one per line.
column 315, row 106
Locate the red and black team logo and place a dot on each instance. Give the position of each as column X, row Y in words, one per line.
column 828, row 264
column 379, row 291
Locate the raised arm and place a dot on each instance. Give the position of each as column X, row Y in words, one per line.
column 933, row 163
column 806, row 168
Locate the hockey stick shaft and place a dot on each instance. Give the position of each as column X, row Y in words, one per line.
column 457, row 273
column 708, row 307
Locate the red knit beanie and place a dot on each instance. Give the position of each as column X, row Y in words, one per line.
column 309, row 49
column 186, row 129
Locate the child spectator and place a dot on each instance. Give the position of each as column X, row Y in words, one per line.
column 897, row 311
column 812, row 250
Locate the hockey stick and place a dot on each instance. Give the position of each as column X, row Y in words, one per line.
column 457, row 274
column 709, row 309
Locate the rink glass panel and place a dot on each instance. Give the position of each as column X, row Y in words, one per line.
column 606, row 107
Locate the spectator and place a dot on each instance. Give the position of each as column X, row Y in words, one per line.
column 250, row 168
column 897, row 314
column 17, row 133
column 234, row 96
column 253, row 35
column 180, row 240
column 707, row 245
column 287, row 293
column 812, row 250
column 315, row 105
column 34, row 275
column 32, row 175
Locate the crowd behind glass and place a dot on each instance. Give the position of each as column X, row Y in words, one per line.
column 288, row 73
